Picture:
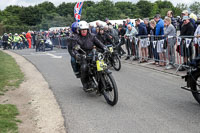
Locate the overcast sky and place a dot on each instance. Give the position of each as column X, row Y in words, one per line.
column 5, row 3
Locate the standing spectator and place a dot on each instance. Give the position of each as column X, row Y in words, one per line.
column 5, row 41
column 121, row 33
column 170, row 31
column 186, row 30
column 197, row 40
column 33, row 37
column 108, row 22
column 28, row 37
column 124, row 24
column 97, row 29
column 159, row 33
column 97, row 24
column 146, row 22
column 186, row 13
column 152, row 38
column 130, row 32
column 142, row 33
column 173, row 20
column 128, row 21
column 92, row 29
column 116, row 26
column 150, row 47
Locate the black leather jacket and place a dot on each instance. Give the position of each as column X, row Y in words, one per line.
column 72, row 41
column 105, row 39
column 88, row 42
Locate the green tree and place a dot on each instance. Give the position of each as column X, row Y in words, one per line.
column 181, row 6
column 54, row 20
column 106, row 9
column 195, row 7
column 127, row 9
column 145, row 7
column 66, row 8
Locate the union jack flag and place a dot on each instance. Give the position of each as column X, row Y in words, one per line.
column 77, row 11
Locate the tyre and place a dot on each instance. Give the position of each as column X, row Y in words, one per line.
column 195, row 82
column 116, row 63
column 110, row 91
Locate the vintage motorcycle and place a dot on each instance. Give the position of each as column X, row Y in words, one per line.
column 99, row 74
column 40, row 46
column 112, row 58
column 193, row 79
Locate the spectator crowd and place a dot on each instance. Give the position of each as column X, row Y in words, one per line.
column 165, row 40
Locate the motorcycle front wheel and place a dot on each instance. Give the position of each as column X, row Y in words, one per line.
column 195, row 82
column 116, row 63
column 110, row 90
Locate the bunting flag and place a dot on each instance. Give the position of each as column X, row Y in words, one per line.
column 159, row 47
column 78, row 11
column 188, row 41
column 142, row 43
column 154, row 44
column 162, row 43
column 179, row 40
column 148, row 43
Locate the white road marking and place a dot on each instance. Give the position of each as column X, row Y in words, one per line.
column 54, row 56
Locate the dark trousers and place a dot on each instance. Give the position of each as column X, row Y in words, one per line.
column 5, row 45
column 74, row 65
column 119, row 47
column 129, row 47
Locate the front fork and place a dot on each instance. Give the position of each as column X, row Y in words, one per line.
column 190, row 80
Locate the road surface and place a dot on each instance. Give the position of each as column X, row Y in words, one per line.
column 149, row 101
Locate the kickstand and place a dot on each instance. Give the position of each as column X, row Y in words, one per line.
column 179, row 67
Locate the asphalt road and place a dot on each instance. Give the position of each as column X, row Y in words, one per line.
column 149, row 101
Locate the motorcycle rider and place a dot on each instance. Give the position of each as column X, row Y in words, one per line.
column 17, row 41
column 72, row 43
column 87, row 41
column 38, row 39
column 104, row 37
column 24, row 40
column 5, row 41
column 10, row 41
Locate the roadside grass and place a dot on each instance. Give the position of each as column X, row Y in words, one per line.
column 10, row 77
column 8, row 121
column 10, row 73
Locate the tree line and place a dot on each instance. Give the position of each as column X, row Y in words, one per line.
column 45, row 15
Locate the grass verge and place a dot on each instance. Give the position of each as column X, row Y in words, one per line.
column 8, row 121
column 10, row 77
column 10, row 73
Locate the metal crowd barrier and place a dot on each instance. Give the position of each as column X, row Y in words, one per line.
column 60, row 42
column 174, row 50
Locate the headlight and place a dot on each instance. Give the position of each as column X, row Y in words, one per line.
column 100, row 56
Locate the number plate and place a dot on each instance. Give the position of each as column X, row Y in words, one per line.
column 111, row 49
column 100, row 65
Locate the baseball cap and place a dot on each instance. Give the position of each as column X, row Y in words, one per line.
column 185, row 12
